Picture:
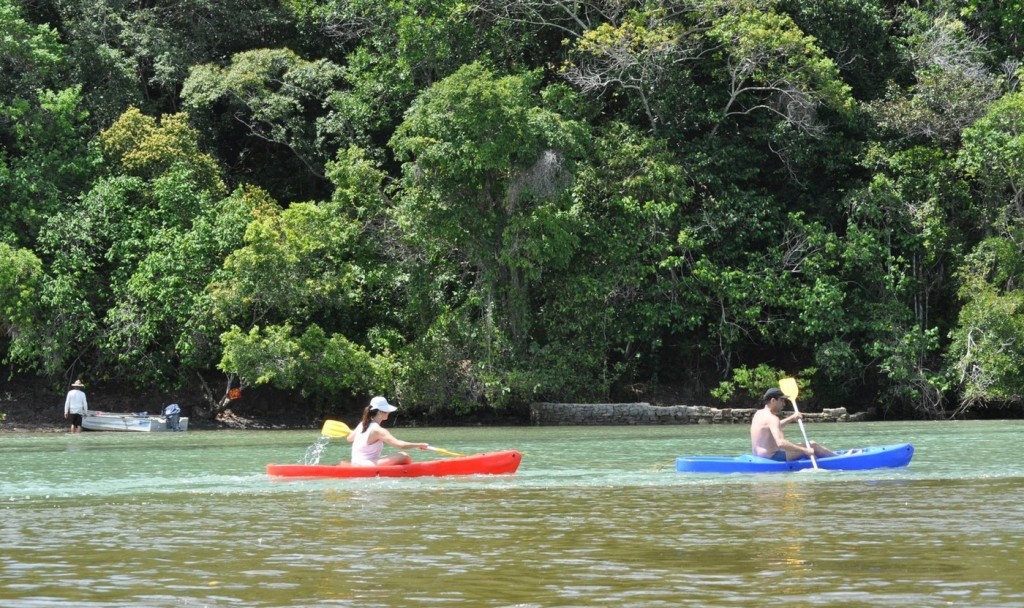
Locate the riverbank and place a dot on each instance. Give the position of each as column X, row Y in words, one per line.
column 32, row 405
column 625, row 414
column 42, row 411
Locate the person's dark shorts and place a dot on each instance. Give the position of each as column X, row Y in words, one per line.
column 76, row 420
column 779, row 456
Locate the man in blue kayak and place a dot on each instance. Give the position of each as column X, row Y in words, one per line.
column 766, row 438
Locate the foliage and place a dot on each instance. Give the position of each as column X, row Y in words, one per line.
column 296, row 264
column 1002, row 22
column 20, row 275
column 127, row 53
column 993, row 153
column 633, row 54
column 312, row 364
column 45, row 163
column 479, row 204
column 43, row 156
column 900, row 250
column 489, row 144
column 855, row 35
column 127, row 266
column 773, row 66
column 32, row 55
column 987, row 352
column 304, row 286
column 276, row 95
column 749, row 384
column 952, row 86
column 609, row 309
column 138, row 145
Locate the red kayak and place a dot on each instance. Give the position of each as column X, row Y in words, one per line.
column 487, row 463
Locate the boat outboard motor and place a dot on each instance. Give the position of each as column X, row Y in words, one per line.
column 172, row 412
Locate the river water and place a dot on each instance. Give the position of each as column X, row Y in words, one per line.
column 596, row 516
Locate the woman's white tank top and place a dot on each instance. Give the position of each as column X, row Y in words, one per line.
column 364, row 454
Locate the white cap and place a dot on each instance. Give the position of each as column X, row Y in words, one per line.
column 381, row 404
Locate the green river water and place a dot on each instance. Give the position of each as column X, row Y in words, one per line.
column 596, row 516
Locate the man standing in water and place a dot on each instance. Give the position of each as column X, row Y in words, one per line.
column 76, row 406
column 766, row 438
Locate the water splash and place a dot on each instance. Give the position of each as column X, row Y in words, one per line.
column 315, row 451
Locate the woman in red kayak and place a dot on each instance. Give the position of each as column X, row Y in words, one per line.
column 369, row 437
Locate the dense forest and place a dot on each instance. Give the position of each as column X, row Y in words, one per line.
column 473, row 204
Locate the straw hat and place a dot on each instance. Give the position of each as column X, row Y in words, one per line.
column 78, row 383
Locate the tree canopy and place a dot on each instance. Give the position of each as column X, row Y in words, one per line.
column 473, row 205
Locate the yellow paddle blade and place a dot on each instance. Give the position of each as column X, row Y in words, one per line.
column 335, row 428
column 443, row 451
column 789, row 388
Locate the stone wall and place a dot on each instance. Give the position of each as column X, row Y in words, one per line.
column 566, row 414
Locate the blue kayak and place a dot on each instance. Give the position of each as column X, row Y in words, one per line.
column 878, row 457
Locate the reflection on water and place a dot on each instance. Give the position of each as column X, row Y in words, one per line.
column 191, row 520
column 782, row 506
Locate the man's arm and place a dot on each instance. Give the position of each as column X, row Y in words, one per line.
column 782, row 442
column 788, row 419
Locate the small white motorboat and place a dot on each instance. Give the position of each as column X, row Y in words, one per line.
column 139, row 422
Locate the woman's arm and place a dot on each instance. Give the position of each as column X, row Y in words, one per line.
column 386, row 436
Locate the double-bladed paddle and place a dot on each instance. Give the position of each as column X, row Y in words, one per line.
column 337, row 428
column 791, row 390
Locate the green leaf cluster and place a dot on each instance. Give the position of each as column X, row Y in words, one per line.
column 478, row 204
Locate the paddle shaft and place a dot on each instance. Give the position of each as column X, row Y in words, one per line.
column 443, row 451
column 807, row 442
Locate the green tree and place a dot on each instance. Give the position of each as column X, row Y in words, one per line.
column 486, row 172
column 393, row 49
column 1002, row 24
column 277, row 98
column 858, row 35
column 305, row 293
column 612, row 314
column 128, row 53
column 163, row 320
column 20, row 276
column 993, row 154
column 486, row 166
column 126, row 268
column 43, row 157
column 900, row 249
column 951, row 84
column 987, row 353
column 772, row 66
column 985, row 357
column 632, row 54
